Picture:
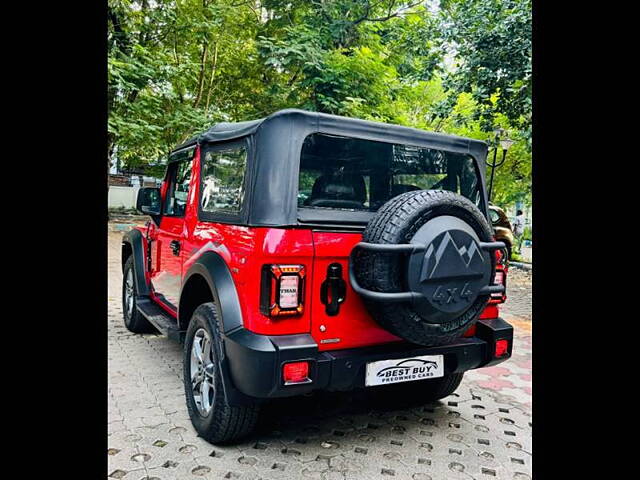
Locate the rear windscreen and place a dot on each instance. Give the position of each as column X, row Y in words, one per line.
column 354, row 174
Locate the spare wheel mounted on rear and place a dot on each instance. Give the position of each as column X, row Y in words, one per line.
column 426, row 266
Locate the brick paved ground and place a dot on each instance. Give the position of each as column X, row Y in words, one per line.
column 483, row 431
column 519, row 293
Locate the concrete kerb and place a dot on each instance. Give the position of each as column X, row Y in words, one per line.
column 523, row 266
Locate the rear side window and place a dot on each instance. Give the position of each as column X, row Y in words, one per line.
column 222, row 187
column 354, row 174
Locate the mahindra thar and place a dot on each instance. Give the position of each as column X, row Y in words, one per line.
column 306, row 251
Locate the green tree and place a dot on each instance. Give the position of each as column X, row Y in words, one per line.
column 178, row 66
column 489, row 43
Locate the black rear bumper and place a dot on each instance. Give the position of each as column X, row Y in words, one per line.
column 253, row 363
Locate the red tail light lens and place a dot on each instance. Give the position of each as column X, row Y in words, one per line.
column 502, row 347
column 499, row 279
column 295, row 372
column 282, row 290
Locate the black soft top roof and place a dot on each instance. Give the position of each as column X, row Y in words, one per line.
column 274, row 157
column 224, row 131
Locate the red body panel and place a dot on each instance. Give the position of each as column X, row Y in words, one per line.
column 166, row 268
column 245, row 250
column 166, row 274
column 352, row 326
column 491, row 311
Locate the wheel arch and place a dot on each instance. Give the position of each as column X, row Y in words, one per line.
column 133, row 244
column 209, row 279
column 126, row 252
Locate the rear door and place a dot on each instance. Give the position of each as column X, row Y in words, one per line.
column 342, row 182
column 350, row 325
column 166, row 275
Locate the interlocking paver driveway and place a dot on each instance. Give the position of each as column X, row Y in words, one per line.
column 483, row 431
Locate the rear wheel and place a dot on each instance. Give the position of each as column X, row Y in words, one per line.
column 430, row 390
column 213, row 418
column 438, row 388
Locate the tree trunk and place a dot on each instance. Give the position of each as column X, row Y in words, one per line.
column 203, row 63
column 213, row 72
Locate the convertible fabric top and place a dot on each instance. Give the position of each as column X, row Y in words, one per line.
column 301, row 119
column 273, row 160
column 223, row 131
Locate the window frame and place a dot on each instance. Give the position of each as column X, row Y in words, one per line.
column 224, row 217
column 183, row 156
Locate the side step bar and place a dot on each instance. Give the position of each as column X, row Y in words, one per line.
column 160, row 319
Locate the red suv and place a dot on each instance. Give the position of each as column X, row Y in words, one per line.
column 306, row 251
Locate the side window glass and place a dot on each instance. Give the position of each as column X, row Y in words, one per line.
column 223, row 179
column 178, row 190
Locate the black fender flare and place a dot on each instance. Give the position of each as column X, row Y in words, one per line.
column 212, row 267
column 137, row 241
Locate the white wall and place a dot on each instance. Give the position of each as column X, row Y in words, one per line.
column 122, row 196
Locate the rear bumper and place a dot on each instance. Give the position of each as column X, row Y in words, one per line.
column 254, row 362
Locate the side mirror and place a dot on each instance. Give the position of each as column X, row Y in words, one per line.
column 149, row 201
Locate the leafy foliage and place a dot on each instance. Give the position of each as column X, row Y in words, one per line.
column 491, row 41
column 178, row 66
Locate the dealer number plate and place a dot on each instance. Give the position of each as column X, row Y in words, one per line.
column 404, row 370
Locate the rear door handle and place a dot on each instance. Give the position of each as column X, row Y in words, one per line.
column 335, row 287
column 175, row 247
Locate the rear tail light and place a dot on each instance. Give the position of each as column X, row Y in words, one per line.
column 499, row 279
column 501, row 258
column 295, row 372
column 282, row 290
column 502, row 348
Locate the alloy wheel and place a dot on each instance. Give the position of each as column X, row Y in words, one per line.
column 129, row 293
column 202, row 366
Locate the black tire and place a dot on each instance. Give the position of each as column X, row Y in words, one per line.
column 437, row 388
column 133, row 319
column 412, row 394
column 397, row 221
column 223, row 423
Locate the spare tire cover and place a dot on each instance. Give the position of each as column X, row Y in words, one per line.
column 448, row 272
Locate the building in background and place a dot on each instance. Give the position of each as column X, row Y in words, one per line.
column 124, row 185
